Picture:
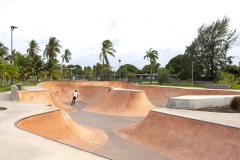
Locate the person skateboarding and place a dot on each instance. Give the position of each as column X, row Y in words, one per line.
column 75, row 95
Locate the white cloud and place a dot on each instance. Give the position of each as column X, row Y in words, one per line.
column 133, row 26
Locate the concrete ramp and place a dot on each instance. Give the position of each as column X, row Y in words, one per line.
column 43, row 97
column 57, row 125
column 122, row 102
column 183, row 138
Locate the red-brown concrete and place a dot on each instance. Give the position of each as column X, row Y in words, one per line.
column 182, row 138
column 171, row 136
column 59, row 126
column 122, row 102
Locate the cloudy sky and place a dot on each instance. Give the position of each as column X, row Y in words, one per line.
column 133, row 26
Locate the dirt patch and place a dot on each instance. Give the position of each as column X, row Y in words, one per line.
column 222, row 109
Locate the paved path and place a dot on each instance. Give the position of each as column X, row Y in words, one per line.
column 16, row 144
column 116, row 148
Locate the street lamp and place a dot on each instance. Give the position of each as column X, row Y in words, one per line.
column 12, row 28
column 119, row 69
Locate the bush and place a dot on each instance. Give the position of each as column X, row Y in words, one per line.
column 163, row 75
column 227, row 79
column 235, row 104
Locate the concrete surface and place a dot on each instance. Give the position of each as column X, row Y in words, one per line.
column 171, row 134
column 50, row 124
column 163, row 134
column 18, row 144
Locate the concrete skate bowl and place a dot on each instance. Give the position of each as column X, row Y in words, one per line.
column 97, row 95
column 93, row 92
column 58, row 126
column 182, row 138
column 168, row 135
column 113, row 98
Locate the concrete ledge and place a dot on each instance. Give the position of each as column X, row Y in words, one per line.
column 14, row 93
column 196, row 102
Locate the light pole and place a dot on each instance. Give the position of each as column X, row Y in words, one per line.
column 12, row 28
column 119, row 69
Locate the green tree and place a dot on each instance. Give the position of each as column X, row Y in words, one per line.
column 97, row 70
column 54, row 69
column 163, row 75
column 152, row 56
column 88, row 72
column 66, row 56
column 3, row 51
column 33, row 49
column 232, row 69
column 107, row 49
column 211, row 46
column 38, row 66
column 21, row 61
column 52, row 48
column 50, row 52
column 175, row 65
column 227, row 79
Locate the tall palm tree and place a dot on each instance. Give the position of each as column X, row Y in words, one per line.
column 52, row 48
column 152, row 56
column 33, row 49
column 3, row 51
column 107, row 49
column 66, row 56
column 53, row 68
column 21, row 61
column 38, row 65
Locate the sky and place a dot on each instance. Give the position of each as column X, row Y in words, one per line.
column 133, row 26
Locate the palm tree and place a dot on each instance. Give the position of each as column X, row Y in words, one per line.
column 21, row 61
column 152, row 56
column 33, row 49
column 38, row 65
column 3, row 51
column 52, row 48
column 107, row 48
column 53, row 68
column 66, row 56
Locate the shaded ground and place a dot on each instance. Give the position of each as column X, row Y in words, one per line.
column 222, row 109
column 2, row 108
column 116, row 147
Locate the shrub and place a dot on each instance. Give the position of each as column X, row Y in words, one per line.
column 163, row 75
column 235, row 103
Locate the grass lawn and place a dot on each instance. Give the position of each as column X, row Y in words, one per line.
column 185, row 84
column 8, row 87
column 5, row 88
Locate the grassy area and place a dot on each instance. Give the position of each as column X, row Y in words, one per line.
column 8, row 87
column 5, row 88
column 185, row 84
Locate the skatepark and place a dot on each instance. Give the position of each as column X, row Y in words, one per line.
column 117, row 120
